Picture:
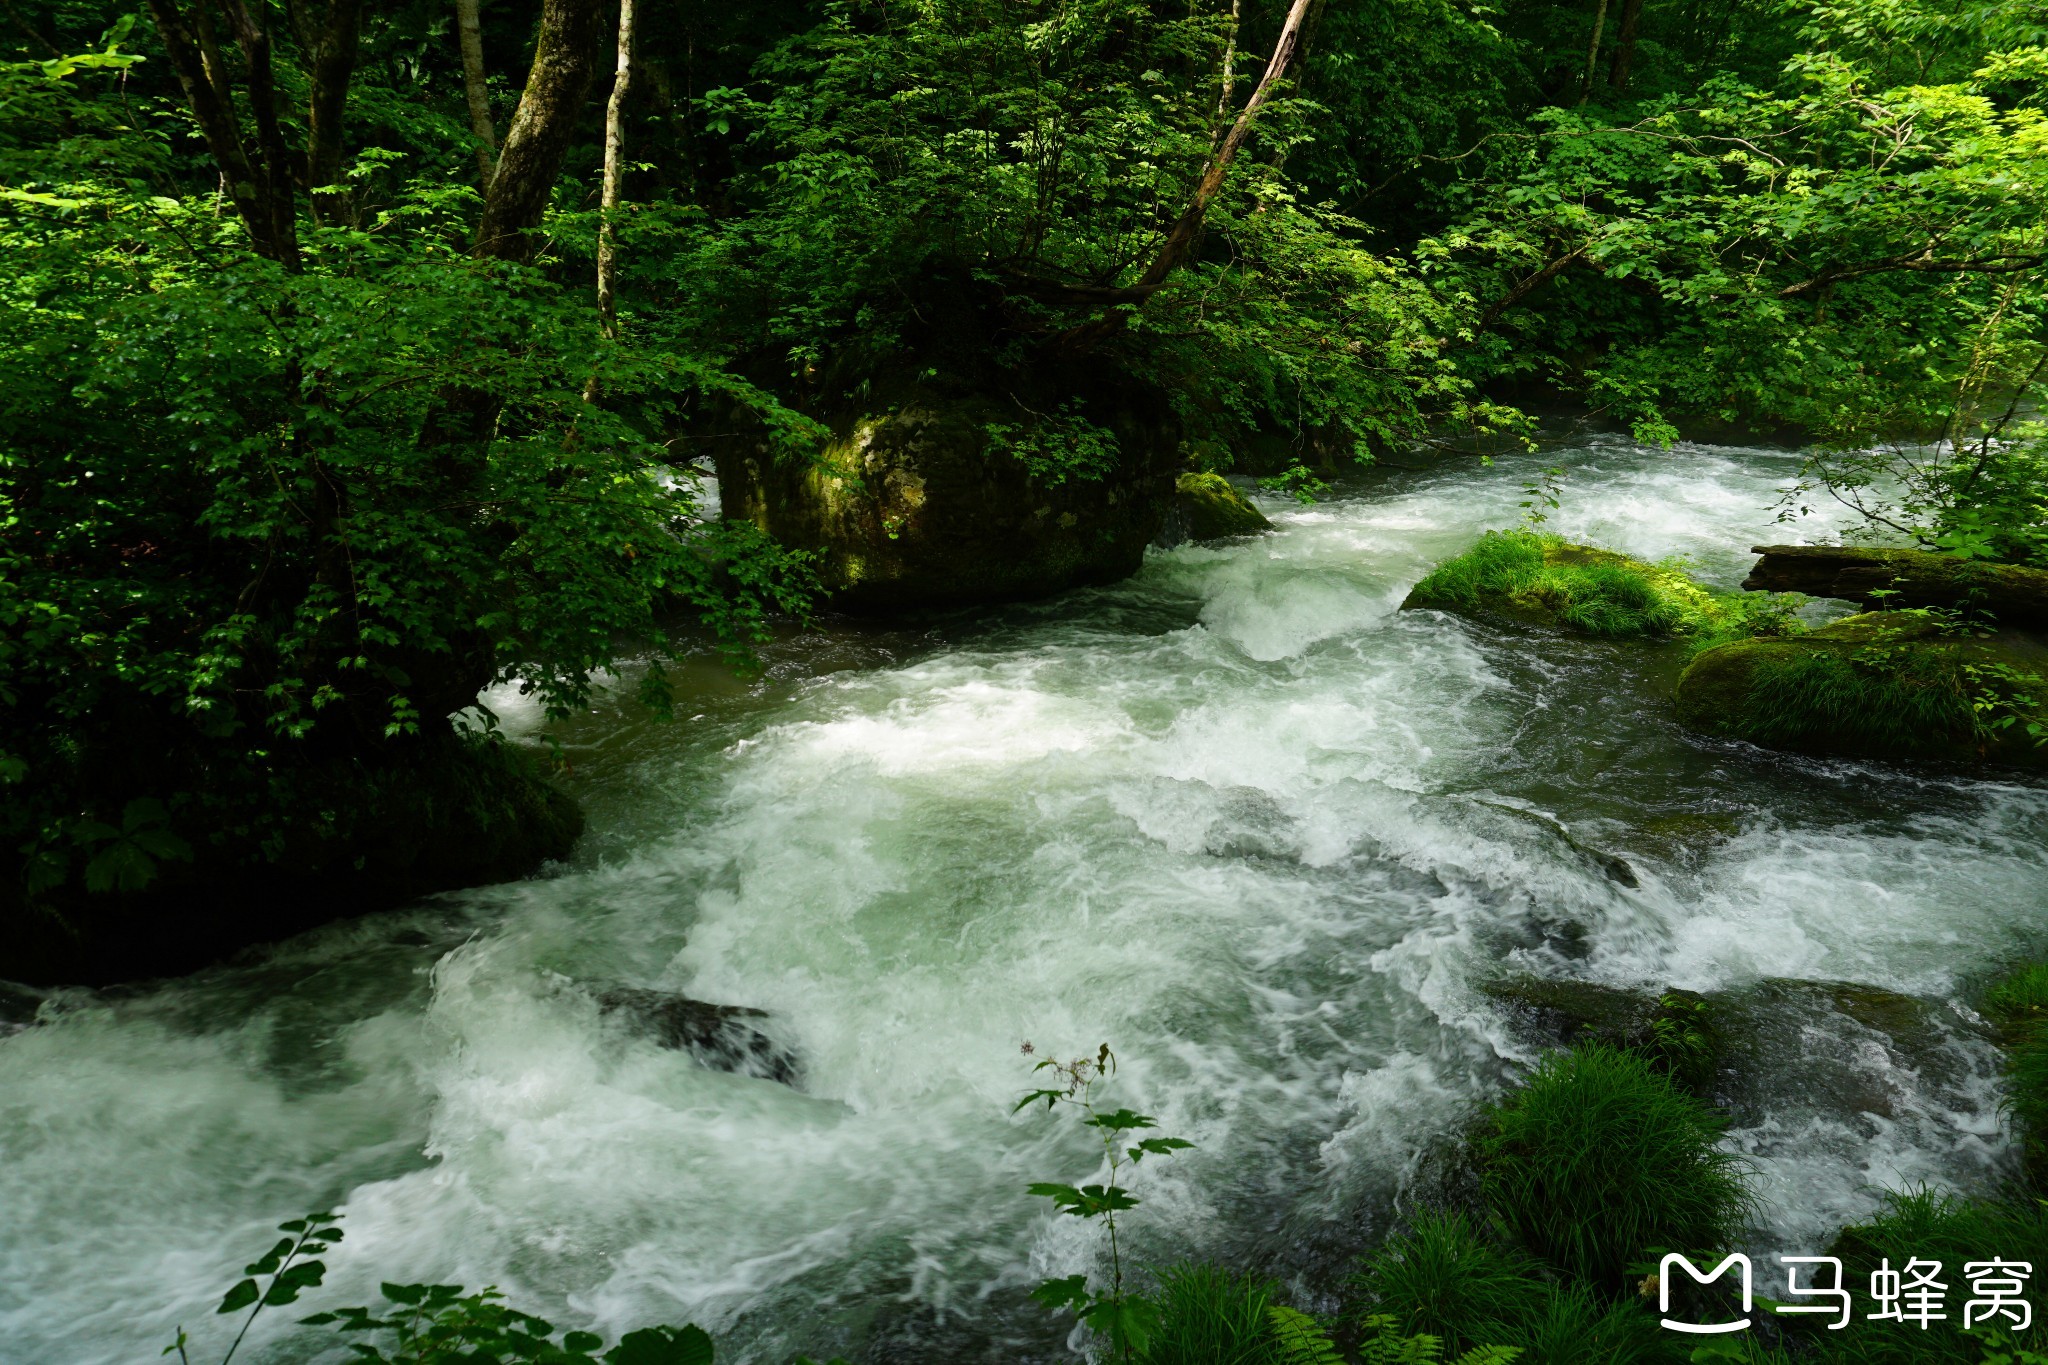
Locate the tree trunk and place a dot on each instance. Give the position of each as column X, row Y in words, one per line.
column 2011, row 595
column 196, row 59
column 469, row 26
column 1229, row 73
column 614, row 177
column 1182, row 237
column 275, row 160
column 564, row 62
column 1625, row 44
column 1593, row 51
column 333, row 65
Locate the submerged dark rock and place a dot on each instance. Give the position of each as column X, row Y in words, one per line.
column 1676, row 1029
column 722, row 1037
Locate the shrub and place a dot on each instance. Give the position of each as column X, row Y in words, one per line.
column 1573, row 1327
column 1598, row 1158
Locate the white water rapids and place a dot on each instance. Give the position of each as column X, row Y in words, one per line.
column 1239, row 817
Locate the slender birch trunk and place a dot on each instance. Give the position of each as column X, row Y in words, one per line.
column 614, row 177
column 470, row 27
column 1593, row 51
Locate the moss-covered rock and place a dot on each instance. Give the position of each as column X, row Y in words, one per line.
column 1545, row 580
column 2005, row 594
column 1674, row 1029
column 1209, row 507
column 337, row 838
column 1899, row 684
column 954, row 499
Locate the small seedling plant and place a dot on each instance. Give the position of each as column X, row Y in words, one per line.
column 1124, row 1319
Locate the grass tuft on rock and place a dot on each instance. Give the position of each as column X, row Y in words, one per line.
column 1599, row 1158
column 1533, row 576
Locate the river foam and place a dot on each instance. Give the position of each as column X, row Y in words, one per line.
column 1240, row 817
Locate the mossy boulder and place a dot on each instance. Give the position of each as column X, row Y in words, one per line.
column 948, row 500
column 1209, row 507
column 1675, row 1030
column 1896, row 684
column 1545, row 580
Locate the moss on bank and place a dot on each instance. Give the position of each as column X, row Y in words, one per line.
column 1899, row 684
column 1547, row 580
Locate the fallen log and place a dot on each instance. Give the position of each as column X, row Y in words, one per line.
column 1876, row 578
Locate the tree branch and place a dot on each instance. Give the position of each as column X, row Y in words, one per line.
column 2000, row 263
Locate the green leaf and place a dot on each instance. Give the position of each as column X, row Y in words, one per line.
column 582, row 1341
column 240, row 1297
column 407, row 1294
column 1121, row 1121
column 1071, row 1292
column 685, row 1345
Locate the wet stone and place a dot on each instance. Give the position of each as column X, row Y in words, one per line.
column 722, row 1037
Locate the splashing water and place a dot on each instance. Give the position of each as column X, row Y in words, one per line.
column 1239, row 817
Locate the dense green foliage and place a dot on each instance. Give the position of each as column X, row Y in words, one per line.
column 311, row 431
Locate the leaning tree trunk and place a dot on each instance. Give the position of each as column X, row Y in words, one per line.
column 1182, row 237
column 564, row 63
column 2009, row 594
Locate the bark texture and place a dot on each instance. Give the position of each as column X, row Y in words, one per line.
column 564, row 63
column 470, row 30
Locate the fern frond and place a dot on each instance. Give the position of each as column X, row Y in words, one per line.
column 1489, row 1355
column 1301, row 1340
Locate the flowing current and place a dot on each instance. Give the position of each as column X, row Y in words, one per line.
column 1239, row 817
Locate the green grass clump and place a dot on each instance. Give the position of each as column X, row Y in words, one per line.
column 1446, row 1278
column 1576, row 1328
column 2018, row 1006
column 1902, row 708
column 1596, row 592
column 1209, row 1315
column 1598, row 1158
column 1934, row 1226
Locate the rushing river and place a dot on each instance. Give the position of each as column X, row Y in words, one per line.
column 1239, row 817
